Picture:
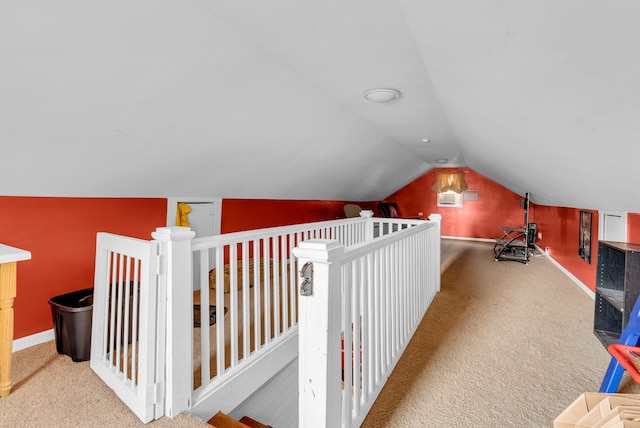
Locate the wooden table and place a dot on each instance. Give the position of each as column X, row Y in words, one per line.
column 8, row 258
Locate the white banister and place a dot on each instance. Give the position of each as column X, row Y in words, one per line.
column 366, row 302
column 319, row 336
column 373, row 279
column 175, row 254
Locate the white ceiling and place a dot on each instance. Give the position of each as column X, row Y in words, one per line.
column 263, row 99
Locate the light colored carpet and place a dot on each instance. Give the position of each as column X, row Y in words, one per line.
column 50, row 390
column 503, row 345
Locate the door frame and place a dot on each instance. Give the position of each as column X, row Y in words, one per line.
column 172, row 207
column 601, row 223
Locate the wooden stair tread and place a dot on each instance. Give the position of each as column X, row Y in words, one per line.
column 220, row 420
column 253, row 423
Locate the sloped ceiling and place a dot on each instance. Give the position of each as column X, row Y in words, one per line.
column 264, row 99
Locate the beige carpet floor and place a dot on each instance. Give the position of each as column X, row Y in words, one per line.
column 503, row 345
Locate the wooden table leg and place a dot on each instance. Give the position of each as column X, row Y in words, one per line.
column 7, row 294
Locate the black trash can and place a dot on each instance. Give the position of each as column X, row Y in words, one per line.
column 71, row 315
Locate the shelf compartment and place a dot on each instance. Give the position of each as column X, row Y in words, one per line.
column 615, row 297
column 607, row 319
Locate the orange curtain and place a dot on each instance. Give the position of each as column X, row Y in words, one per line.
column 450, row 181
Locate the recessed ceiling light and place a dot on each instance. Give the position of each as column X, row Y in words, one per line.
column 442, row 160
column 382, row 95
column 426, row 140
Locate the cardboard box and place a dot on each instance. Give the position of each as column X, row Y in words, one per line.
column 625, row 424
column 587, row 402
column 620, row 413
column 605, row 406
column 578, row 409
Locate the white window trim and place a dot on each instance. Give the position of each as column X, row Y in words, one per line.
column 457, row 200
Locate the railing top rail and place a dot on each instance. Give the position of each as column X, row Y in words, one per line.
column 235, row 237
column 358, row 250
column 399, row 220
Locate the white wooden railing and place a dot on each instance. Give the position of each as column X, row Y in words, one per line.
column 127, row 342
column 260, row 282
column 368, row 298
column 254, row 276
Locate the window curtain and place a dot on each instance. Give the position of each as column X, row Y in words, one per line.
column 450, row 181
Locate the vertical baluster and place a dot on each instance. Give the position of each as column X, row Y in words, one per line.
column 277, row 299
column 268, row 335
column 233, row 310
column 119, row 292
column 378, row 317
column 356, row 331
column 403, row 288
column 205, row 345
column 367, row 322
column 347, row 345
column 106, row 341
column 220, row 322
column 246, row 312
column 126, row 321
column 258, row 268
column 293, row 270
column 389, row 308
column 284, row 281
column 134, row 322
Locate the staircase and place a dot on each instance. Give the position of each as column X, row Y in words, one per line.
column 220, row 420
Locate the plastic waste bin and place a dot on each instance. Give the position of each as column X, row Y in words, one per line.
column 71, row 315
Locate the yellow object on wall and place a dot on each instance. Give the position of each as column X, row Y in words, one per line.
column 182, row 214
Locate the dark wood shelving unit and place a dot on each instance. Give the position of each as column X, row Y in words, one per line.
column 617, row 288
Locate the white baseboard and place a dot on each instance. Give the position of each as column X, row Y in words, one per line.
column 460, row 238
column 34, row 339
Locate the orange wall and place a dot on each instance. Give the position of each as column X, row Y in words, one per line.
column 61, row 232
column 633, row 228
column 560, row 228
column 61, row 235
column 247, row 214
column 496, row 205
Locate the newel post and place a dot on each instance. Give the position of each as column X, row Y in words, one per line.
column 319, row 335
column 175, row 252
column 368, row 215
column 437, row 218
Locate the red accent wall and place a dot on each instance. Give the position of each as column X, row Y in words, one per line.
column 61, row 232
column 61, row 235
column 560, row 228
column 247, row 214
column 633, row 228
column 496, row 205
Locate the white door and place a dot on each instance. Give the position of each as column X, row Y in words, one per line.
column 201, row 218
column 613, row 226
column 201, row 221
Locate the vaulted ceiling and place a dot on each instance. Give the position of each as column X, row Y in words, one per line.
column 263, row 99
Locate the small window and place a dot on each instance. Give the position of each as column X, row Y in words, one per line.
column 450, row 199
